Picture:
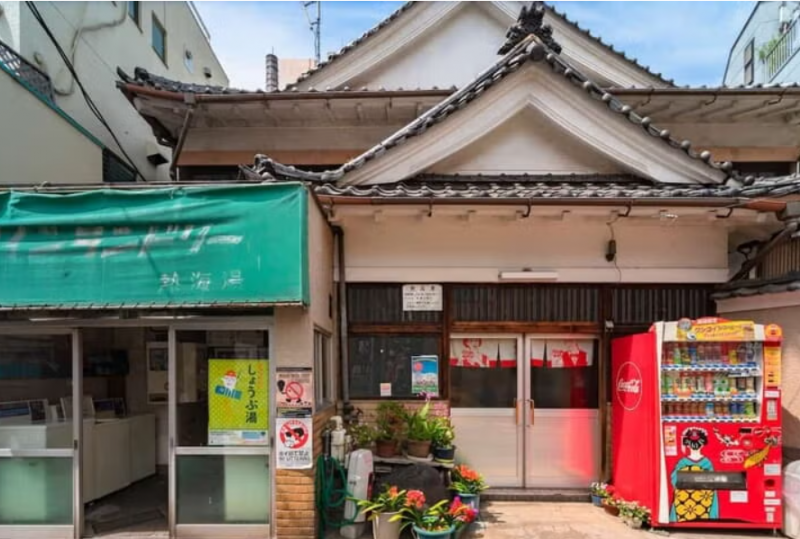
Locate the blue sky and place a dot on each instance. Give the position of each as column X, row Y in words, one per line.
column 686, row 41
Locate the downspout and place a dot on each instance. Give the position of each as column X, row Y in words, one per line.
column 176, row 153
column 347, row 408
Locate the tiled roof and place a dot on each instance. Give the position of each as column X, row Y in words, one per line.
column 549, row 186
column 757, row 287
column 408, row 5
column 528, row 49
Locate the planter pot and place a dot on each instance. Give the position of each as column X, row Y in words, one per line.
column 634, row 523
column 383, row 529
column 386, row 448
column 419, row 449
column 473, row 500
column 611, row 510
column 425, row 534
column 444, row 454
column 597, row 500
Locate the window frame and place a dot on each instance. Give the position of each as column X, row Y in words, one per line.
column 158, row 26
column 749, row 62
column 136, row 17
column 324, row 372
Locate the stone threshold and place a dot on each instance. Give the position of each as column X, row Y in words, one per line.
column 535, row 495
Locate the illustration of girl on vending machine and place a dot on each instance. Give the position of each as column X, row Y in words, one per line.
column 690, row 505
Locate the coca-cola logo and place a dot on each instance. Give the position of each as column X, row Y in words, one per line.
column 629, row 386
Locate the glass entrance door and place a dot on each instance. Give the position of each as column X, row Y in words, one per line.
column 486, row 388
column 221, row 414
column 562, row 428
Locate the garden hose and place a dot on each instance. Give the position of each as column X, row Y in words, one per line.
column 330, row 497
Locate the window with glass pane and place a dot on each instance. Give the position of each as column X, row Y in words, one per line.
column 382, row 359
column 564, row 373
column 222, row 402
column 133, row 11
column 159, row 39
column 483, row 372
column 35, row 379
column 323, row 370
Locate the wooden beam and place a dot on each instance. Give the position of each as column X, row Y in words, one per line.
column 743, row 154
column 288, row 157
column 588, row 328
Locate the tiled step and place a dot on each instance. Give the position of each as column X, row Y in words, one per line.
column 535, row 495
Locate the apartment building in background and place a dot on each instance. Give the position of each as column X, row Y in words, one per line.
column 44, row 107
column 766, row 50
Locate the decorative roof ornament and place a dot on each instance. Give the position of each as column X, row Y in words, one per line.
column 530, row 21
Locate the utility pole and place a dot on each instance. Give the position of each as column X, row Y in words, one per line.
column 315, row 25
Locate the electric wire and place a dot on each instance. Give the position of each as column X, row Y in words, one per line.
column 89, row 102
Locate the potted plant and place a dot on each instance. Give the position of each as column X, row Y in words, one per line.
column 420, row 431
column 612, row 503
column 391, row 426
column 382, row 510
column 633, row 514
column 442, row 442
column 434, row 522
column 461, row 516
column 363, row 435
column 599, row 492
column 468, row 485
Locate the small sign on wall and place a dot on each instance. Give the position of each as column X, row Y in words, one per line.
column 295, row 444
column 422, row 297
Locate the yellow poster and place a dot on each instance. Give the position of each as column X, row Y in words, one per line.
column 772, row 366
column 238, row 401
column 724, row 331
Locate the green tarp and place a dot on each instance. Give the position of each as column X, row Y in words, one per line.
column 142, row 248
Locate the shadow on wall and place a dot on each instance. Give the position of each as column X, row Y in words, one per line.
column 791, row 432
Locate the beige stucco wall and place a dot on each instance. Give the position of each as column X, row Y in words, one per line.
column 39, row 145
column 294, row 326
column 98, row 52
column 789, row 319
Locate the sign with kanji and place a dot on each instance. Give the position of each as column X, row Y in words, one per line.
column 294, row 441
column 238, row 401
column 295, row 388
column 422, row 297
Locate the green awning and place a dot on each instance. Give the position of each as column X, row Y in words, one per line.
column 177, row 246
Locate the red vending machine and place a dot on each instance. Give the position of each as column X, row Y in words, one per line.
column 696, row 423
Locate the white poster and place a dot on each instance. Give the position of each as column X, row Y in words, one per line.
column 422, row 297
column 295, row 444
column 562, row 353
column 481, row 353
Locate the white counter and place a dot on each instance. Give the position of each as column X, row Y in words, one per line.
column 116, row 452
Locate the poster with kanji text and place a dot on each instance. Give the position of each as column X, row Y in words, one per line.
column 238, row 402
column 294, row 441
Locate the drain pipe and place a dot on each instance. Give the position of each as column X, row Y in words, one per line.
column 347, row 408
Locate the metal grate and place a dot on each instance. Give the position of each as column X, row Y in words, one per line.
column 115, row 170
column 26, row 72
column 525, row 303
column 644, row 305
column 781, row 261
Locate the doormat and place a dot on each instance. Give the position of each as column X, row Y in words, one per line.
column 102, row 527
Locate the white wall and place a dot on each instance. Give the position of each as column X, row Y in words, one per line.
column 9, row 23
column 100, row 52
column 450, row 249
column 40, row 145
column 528, row 143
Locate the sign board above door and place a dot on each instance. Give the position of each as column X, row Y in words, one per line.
column 422, row 297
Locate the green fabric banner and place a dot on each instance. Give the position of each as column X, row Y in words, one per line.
column 144, row 248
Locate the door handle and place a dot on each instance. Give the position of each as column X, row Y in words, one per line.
column 533, row 411
column 516, row 412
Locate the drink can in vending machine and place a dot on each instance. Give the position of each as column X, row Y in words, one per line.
column 710, row 409
column 720, row 409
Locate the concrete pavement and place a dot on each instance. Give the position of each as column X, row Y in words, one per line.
column 547, row 520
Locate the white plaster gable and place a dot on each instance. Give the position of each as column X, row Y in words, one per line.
column 527, row 143
column 535, row 106
column 444, row 44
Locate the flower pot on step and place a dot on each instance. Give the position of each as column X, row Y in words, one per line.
column 386, row 448
column 611, row 510
column 597, row 500
column 473, row 500
column 634, row 523
column 425, row 534
column 419, row 449
column 444, row 454
column 382, row 528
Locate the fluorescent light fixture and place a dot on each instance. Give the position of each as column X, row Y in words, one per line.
column 528, row 276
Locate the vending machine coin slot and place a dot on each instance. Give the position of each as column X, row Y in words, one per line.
column 712, row 481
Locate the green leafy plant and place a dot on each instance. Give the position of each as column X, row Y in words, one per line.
column 391, row 500
column 465, row 480
column 363, row 435
column 421, row 427
column 443, row 433
column 634, row 511
column 439, row 517
column 601, row 489
column 391, row 421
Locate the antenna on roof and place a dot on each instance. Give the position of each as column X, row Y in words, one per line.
column 315, row 25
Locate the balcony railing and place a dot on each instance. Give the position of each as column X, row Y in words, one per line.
column 783, row 50
column 26, row 72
